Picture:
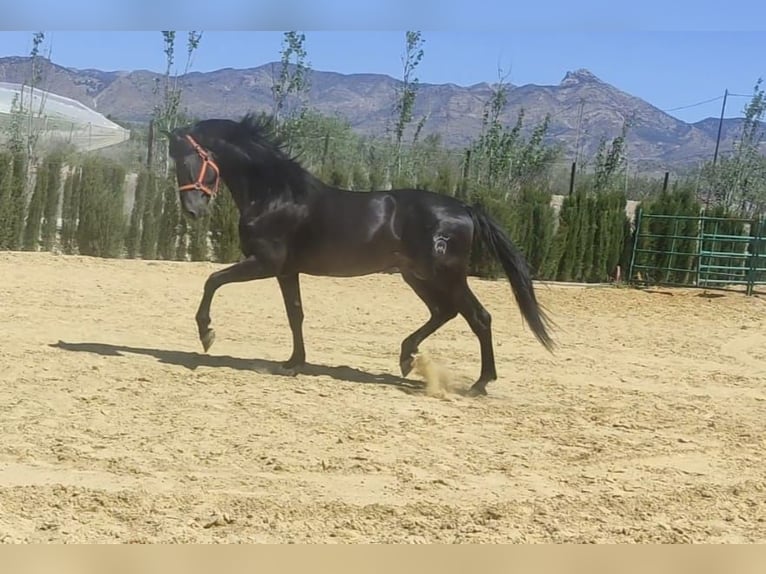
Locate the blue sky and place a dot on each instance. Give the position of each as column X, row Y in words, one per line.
column 661, row 52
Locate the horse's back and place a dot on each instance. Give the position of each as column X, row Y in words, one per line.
column 392, row 214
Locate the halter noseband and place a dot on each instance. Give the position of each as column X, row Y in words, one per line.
column 199, row 185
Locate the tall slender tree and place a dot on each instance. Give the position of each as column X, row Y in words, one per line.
column 293, row 80
column 159, row 204
column 23, row 131
column 406, row 94
column 738, row 181
column 53, row 164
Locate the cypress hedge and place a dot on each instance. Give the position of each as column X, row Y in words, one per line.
column 54, row 165
column 585, row 242
column 657, row 249
column 224, row 227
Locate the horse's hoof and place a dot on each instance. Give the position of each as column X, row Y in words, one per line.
column 477, row 390
column 287, row 370
column 207, row 339
column 406, row 366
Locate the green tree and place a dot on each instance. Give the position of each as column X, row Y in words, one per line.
column 54, row 164
column 502, row 160
column 656, row 248
column 198, row 239
column 167, row 115
column 610, row 163
column 182, row 245
column 491, row 151
column 133, row 235
column 293, row 79
column 26, row 123
column 70, row 207
column 531, row 226
column 35, row 210
column 406, row 94
column 150, row 220
column 101, row 220
column 6, row 196
column 13, row 226
column 167, row 238
column 738, row 181
column 167, row 111
column 224, row 227
column 22, row 132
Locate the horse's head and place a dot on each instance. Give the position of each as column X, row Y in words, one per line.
column 197, row 173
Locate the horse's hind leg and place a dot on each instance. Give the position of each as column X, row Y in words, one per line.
column 442, row 310
column 291, row 293
column 480, row 322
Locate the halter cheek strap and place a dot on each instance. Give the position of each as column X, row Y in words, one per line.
column 199, row 185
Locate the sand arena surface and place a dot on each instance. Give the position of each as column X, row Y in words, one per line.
column 647, row 425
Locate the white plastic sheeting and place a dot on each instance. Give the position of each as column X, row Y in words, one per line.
column 62, row 120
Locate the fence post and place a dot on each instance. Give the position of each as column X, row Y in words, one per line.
column 635, row 244
column 572, row 178
column 756, row 232
column 700, row 243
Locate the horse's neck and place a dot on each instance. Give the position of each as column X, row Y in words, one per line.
column 238, row 188
column 246, row 193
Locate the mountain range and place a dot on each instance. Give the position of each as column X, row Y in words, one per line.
column 583, row 108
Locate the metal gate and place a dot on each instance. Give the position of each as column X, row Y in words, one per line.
column 698, row 251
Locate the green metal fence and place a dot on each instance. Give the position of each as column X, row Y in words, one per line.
column 698, row 251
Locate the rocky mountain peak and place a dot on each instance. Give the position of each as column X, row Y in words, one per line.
column 580, row 76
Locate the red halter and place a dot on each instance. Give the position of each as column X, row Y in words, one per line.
column 206, row 162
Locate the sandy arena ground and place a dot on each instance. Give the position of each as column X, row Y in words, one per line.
column 647, row 425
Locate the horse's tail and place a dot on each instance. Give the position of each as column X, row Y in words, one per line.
column 515, row 266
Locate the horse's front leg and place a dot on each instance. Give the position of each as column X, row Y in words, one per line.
column 246, row 270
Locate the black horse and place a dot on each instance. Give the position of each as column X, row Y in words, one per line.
column 292, row 223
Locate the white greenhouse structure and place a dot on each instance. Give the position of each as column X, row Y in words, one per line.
column 62, row 119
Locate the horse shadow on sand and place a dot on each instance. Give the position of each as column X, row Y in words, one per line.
column 193, row 360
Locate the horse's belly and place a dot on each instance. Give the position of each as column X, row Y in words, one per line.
column 342, row 263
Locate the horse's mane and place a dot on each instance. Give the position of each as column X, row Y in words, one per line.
column 254, row 138
column 260, row 135
column 254, row 143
